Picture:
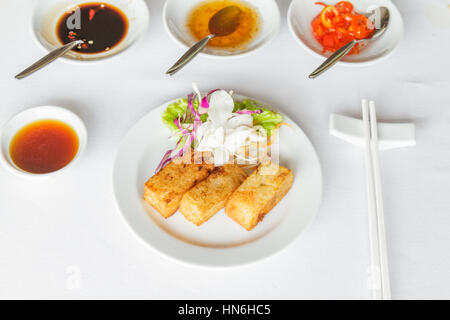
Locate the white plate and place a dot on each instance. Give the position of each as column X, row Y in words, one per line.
column 302, row 12
column 176, row 12
column 219, row 242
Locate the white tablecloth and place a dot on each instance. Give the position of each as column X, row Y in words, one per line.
column 65, row 238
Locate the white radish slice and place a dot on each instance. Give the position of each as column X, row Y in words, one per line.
column 239, row 120
column 221, row 107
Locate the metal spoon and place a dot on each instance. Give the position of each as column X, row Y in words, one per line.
column 48, row 58
column 223, row 23
column 379, row 17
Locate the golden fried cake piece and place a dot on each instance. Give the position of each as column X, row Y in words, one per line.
column 210, row 195
column 165, row 189
column 258, row 194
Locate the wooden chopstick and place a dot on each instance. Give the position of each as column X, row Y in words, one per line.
column 384, row 268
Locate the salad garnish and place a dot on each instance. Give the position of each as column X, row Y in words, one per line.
column 217, row 124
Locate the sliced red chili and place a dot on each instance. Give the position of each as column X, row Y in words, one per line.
column 91, row 14
column 339, row 24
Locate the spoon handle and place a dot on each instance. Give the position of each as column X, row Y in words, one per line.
column 335, row 57
column 189, row 55
column 48, row 58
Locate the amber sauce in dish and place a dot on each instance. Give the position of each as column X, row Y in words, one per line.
column 249, row 25
column 44, row 146
column 102, row 26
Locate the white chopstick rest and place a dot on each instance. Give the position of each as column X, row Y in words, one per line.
column 391, row 135
column 364, row 133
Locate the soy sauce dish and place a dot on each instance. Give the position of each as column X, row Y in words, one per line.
column 106, row 27
column 42, row 141
column 187, row 22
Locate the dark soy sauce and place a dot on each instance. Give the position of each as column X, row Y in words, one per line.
column 101, row 26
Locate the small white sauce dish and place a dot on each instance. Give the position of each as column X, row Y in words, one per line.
column 176, row 14
column 22, row 119
column 48, row 12
column 302, row 12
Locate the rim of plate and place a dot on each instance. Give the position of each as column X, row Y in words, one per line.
column 217, row 252
column 340, row 62
column 214, row 56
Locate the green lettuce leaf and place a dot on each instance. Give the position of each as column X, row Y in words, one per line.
column 175, row 110
column 268, row 119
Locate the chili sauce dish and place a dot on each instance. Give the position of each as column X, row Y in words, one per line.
column 323, row 27
column 105, row 27
column 187, row 22
column 42, row 141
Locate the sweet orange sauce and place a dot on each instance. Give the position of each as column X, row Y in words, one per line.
column 44, row 146
column 249, row 23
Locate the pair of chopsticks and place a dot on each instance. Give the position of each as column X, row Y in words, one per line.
column 379, row 271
